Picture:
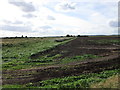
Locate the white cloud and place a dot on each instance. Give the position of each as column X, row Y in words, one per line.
column 95, row 1
column 50, row 17
column 9, row 12
column 45, row 27
column 63, row 18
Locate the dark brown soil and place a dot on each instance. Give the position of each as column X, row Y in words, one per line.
column 79, row 46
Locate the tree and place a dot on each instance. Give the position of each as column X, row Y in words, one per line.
column 22, row 36
column 67, row 35
column 78, row 36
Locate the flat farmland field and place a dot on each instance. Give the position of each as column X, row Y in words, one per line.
column 16, row 52
column 61, row 62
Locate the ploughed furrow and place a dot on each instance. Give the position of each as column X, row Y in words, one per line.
column 89, row 66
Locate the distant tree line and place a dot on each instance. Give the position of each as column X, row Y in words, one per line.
column 76, row 36
column 44, row 37
column 15, row 37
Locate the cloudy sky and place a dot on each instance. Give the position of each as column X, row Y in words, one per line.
column 58, row 17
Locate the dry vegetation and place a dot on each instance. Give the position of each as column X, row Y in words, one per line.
column 111, row 82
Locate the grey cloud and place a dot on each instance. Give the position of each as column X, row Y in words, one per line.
column 11, row 22
column 51, row 32
column 50, row 18
column 119, row 9
column 114, row 23
column 67, row 6
column 15, row 28
column 29, row 16
column 26, row 7
column 18, row 22
column 46, row 27
column 7, row 22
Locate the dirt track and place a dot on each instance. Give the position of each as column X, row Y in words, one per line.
column 78, row 46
